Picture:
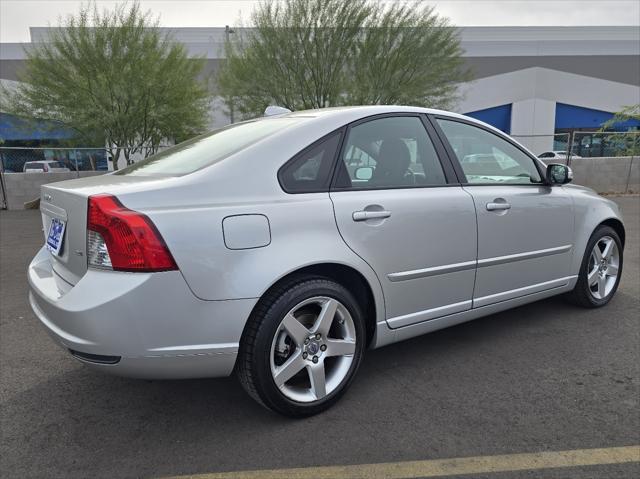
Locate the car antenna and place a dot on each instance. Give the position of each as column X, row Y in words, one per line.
column 272, row 110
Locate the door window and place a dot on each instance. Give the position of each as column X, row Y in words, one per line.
column 486, row 158
column 392, row 152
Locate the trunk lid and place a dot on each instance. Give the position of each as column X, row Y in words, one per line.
column 71, row 262
column 67, row 201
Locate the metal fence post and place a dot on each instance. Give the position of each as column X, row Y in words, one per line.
column 626, row 188
column 75, row 156
column 569, row 147
column 3, row 188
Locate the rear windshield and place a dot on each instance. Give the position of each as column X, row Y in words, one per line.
column 207, row 149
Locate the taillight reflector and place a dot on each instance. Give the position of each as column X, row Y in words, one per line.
column 132, row 240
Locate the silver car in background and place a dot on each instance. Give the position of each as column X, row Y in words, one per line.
column 281, row 248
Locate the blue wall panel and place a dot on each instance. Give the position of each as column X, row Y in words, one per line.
column 498, row 116
column 571, row 116
column 15, row 128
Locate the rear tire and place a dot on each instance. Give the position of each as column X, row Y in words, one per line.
column 600, row 271
column 302, row 346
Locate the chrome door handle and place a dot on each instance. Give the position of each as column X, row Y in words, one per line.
column 370, row 215
column 498, row 206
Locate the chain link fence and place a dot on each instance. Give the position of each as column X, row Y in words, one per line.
column 610, row 157
column 27, row 159
column 605, row 144
column 23, row 159
column 583, row 144
column 23, row 169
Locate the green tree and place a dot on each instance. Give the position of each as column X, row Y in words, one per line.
column 317, row 53
column 626, row 143
column 115, row 79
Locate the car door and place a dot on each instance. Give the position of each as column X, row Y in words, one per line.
column 399, row 207
column 525, row 227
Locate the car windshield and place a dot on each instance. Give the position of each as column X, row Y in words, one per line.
column 207, row 149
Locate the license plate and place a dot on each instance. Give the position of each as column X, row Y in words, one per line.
column 55, row 236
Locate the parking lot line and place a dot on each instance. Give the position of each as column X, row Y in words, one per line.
column 445, row 467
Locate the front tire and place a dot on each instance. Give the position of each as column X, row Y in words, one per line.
column 600, row 271
column 302, row 346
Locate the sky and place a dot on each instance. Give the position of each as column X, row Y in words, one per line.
column 16, row 16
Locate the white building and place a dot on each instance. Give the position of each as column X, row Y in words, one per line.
column 531, row 82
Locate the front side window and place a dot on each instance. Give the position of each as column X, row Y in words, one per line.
column 392, row 152
column 486, row 158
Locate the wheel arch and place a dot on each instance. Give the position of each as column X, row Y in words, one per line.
column 617, row 226
column 347, row 276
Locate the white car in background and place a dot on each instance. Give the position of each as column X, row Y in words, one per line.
column 45, row 166
column 556, row 155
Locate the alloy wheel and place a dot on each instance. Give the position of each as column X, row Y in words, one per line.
column 313, row 349
column 604, row 264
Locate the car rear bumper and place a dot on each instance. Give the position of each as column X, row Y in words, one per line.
column 147, row 325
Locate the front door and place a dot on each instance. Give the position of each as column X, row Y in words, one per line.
column 525, row 227
column 396, row 209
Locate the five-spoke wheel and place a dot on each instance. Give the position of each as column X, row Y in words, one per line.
column 600, row 270
column 604, row 265
column 313, row 349
column 302, row 346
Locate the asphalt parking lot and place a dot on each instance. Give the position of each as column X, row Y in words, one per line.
column 543, row 377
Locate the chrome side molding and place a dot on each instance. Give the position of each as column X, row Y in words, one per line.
column 452, row 268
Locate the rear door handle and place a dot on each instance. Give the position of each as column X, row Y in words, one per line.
column 498, row 206
column 370, row 215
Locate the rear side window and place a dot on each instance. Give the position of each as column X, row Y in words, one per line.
column 208, row 149
column 310, row 170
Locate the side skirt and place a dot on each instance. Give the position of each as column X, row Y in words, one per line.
column 385, row 335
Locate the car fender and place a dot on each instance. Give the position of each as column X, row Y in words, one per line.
column 590, row 210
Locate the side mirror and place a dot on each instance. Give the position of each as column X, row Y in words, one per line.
column 558, row 174
column 364, row 173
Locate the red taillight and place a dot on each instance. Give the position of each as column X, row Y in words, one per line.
column 132, row 240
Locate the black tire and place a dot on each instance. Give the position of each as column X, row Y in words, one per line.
column 253, row 367
column 581, row 294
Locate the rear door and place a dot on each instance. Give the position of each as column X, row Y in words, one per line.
column 399, row 208
column 525, row 227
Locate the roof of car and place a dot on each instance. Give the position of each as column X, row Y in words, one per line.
column 348, row 114
column 367, row 110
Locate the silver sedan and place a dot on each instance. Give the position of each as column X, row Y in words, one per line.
column 282, row 248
